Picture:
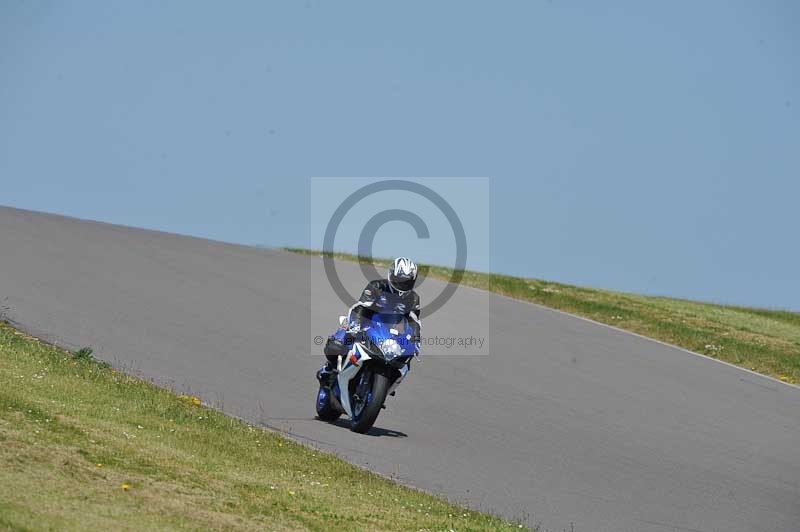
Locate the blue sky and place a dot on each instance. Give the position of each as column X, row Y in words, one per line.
column 648, row 147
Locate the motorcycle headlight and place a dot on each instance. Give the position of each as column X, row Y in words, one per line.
column 391, row 349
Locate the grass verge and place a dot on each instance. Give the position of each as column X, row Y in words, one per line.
column 765, row 341
column 84, row 447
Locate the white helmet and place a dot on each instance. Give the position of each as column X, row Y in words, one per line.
column 402, row 274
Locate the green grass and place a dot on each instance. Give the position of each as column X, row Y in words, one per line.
column 766, row 341
column 84, row 447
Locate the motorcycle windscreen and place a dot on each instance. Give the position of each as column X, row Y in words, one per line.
column 385, row 322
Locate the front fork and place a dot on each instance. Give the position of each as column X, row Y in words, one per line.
column 364, row 386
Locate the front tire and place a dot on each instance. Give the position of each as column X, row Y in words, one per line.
column 366, row 418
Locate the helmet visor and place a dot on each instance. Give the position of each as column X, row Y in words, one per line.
column 404, row 285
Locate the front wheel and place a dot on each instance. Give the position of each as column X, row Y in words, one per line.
column 366, row 411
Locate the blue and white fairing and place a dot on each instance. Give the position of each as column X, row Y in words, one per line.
column 388, row 339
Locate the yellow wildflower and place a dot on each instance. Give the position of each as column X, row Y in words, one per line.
column 190, row 399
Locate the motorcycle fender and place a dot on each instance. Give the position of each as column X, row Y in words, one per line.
column 350, row 368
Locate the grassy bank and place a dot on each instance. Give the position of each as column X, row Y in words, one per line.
column 84, row 447
column 766, row 341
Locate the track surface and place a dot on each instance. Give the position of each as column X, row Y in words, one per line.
column 564, row 421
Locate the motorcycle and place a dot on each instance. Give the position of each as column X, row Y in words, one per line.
column 372, row 369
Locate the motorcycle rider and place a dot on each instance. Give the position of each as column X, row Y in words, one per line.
column 393, row 295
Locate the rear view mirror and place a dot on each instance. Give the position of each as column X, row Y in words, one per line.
column 343, row 322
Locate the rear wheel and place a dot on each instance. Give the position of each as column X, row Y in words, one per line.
column 325, row 411
column 366, row 410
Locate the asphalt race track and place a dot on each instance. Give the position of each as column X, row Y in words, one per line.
column 559, row 421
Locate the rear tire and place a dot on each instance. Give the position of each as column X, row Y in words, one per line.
column 325, row 411
column 380, row 385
